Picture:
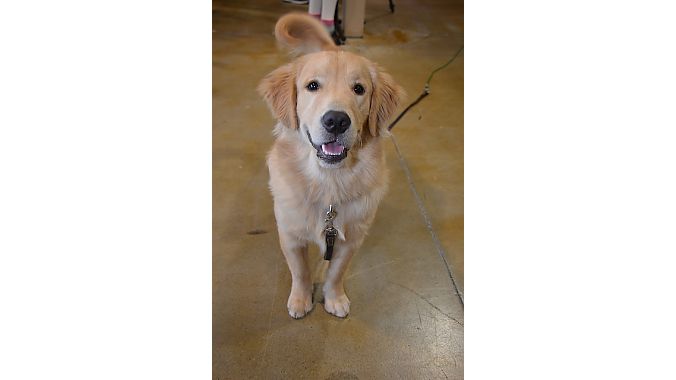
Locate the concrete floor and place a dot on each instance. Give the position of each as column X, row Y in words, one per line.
column 406, row 318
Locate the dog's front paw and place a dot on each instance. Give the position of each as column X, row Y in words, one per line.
column 299, row 305
column 338, row 306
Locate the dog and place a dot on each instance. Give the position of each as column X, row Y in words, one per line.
column 327, row 164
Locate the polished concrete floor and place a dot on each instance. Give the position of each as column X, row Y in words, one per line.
column 406, row 283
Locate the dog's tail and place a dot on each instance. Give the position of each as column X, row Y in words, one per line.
column 303, row 34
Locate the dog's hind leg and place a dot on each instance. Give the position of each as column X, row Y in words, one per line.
column 295, row 252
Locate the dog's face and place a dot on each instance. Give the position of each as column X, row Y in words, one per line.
column 330, row 98
column 333, row 101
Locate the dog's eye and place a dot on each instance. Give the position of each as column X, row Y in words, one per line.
column 312, row 86
column 358, row 89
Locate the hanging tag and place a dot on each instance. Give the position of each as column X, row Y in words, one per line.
column 331, row 234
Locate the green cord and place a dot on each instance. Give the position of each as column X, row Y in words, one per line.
column 426, row 91
column 427, row 83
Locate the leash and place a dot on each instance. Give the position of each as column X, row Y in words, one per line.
column 426, row 90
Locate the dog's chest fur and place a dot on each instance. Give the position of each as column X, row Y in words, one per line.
column 303, row 191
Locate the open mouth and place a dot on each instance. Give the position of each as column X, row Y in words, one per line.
column 331, row 152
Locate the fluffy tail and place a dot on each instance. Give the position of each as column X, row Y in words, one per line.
column 303, row 34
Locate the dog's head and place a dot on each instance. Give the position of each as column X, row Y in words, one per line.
column 333, row 98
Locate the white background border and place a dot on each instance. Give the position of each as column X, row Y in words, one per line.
column 105, row 205
column 570, row 189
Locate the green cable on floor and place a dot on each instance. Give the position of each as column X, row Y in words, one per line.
column 426, row 91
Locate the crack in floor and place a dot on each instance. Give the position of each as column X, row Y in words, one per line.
column 426, row 217
column 428, row 302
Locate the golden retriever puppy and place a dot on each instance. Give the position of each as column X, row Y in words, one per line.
column 327, row 165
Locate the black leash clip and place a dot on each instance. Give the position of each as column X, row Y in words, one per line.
column 331, row 232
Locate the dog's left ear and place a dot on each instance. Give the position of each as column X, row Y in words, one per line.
column 385, row 99
column 279, row 90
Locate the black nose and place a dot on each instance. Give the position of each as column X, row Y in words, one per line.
column 336, row 122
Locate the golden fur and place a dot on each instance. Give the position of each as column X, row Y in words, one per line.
column 302, row 184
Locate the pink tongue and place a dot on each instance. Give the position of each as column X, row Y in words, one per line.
column 332, row 148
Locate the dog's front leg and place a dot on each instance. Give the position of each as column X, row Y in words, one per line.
column 295, row 252
column 335, row 299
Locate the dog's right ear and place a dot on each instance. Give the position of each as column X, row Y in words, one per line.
column 279, row 90
column 303, row 34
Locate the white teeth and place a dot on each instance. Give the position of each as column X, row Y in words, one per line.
column 326, row 152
